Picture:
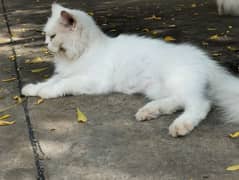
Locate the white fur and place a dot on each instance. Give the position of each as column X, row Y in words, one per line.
column 230, row 7
column 173, row 76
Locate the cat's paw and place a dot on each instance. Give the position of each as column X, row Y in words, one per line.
column 30, row 90
column 47, row 93
column 180, row 128
column 146, row 113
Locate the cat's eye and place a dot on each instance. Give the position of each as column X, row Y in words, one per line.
column 52, row 36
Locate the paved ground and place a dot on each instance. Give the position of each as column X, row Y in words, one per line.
column 46, row 142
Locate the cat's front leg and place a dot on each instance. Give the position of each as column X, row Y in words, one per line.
column 75, row 86
column 33, row 89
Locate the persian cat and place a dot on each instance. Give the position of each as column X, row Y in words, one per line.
column 174, row 77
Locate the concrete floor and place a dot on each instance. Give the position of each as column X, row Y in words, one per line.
column 47, row 142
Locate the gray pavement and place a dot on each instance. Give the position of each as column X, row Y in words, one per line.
column 47, row 142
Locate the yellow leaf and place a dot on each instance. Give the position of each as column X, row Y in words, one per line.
column 214, row 37
column 233, row 168
column 91, row 13
column 194, row 5
column 153, row 17
column 9, row 79
column 172, row 25
column 169, row 38
column 4, row 116
column 18, row 99
column 211, row 29
column 145, row 30
column 80, row 116
column 5, row 123
column 234, row 135
column 232, row 48
column 216, row 54
column 39, row 70
column 155, row 32
column 39, row 101
column 34, row 60
column 12, row 58
column 204, row 43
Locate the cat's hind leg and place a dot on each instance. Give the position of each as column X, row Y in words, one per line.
column 195, row 110
column 158, row 107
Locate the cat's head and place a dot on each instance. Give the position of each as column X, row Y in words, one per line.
column 68, row 32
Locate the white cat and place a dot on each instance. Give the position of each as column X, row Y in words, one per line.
column 173, row 76
column 230, row 7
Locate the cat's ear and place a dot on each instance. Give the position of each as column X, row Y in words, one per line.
column 68, row 20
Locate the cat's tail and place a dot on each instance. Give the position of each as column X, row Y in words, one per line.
column 224, row 90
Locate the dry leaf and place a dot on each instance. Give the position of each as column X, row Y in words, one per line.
column 145, row 30
column 233, row 168
column 216, row 54
column 80, row 116
column 172, row 25
column 6, row 123
column 5, row 116
column 18, row 99
column 91, row 13
column 234, row 135
column 39, row 101
column 214, row 37
column 12, row 58
column 155, row 32
column 205, row 43
column 153, row 17
column 34, row 60
column 232, row 48
column 169, row 38
column 211, row 29
column 39, row 70
column 194, row 5
column 9, row 79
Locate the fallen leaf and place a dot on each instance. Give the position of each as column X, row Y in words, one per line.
column 34, row 60
column 155, row 32
column 234, row 135
column 113, row 30
column 214, row 37
column 80, row 116
column 216, row 54
column 12, row 58
column 5, row 116
column 6, row 123
column 39, row 101
column 194, row 5
column 169, row 38
column 39, row 70
column 233, row 168
column 91, row 13
column 18, row 99
column 204, row 43
column 172, row 25
column 45, row 50
column 232, row 48
column 145, row 30
column 9, row 79
column 211, row 29
column 153, row 17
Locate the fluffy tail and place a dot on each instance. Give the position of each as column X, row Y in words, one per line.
column 224, row 89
